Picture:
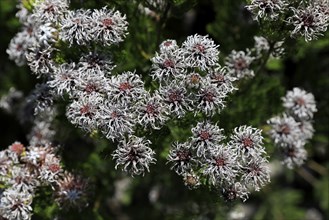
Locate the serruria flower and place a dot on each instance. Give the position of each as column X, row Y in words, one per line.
column 266, row 9
column 134, row 155
column 182, row 158
column 205, row 137
column 309, row 22
column 200, row 52
column 109, row 26
column 247, row 141
column 238, row 64
column 300, row 104
column 284, row 129
column 221, row 165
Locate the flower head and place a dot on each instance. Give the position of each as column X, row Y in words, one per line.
column 134, row 155
column 309, row 22
column 205, row 137
column 182, row 158
column 267, row 9
column 200, row 52
column 247, row 141
column 238, row 64
column 300, row 104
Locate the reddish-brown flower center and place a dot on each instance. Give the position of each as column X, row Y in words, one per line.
column 150, row 109
column 204, row 135
column 107, row 22
column 114, row 114
column 90, row 88
column 167, row 43
column 208, row 96
column 168, row 63
column 247, row 142
column 54, row 168
column 200, row 48
column 220, row 162
column 308, row 20
column 85, row 109
column 125, row 86
column 240, row 64
column 175, row 96
column 184, row 155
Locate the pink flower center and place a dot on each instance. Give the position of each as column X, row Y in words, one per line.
column 54, row 168
column 150, row 109
column 17, row 148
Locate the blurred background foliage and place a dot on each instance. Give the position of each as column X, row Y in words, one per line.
column 292, row 194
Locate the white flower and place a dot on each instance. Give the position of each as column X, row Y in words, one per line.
column 76, row 27
column 247, row 141
column 285, row 129
column 168, row 46
column 126, row 88
column 83, row 112
column 221, row 165
column 236, row 190
column 222, row 79
column 151, row 111
column 63, row 79
column 115, row 120
column 205, row 137
column 176, row 97
column 51, row 169
column 167, row 66
column 134, row 155
column 309, row 22
column 267, row 9
column 49, row 10
column 294, row 154
column 181, row 157
column 238, row 64
column 16, row 205
column 200, row 52
column 210, row 99
column 256, row 173
column 109, row 26
column 300, row 103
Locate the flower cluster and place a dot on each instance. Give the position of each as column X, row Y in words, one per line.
column 308, row 20
column 235, row 166
column 23, row 169
column 189, row 80
column 294, row 128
